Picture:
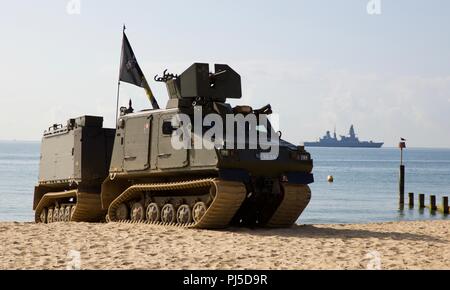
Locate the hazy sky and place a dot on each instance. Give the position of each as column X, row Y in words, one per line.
column 319, row 63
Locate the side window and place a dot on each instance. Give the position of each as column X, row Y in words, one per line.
column 167, row 127
column 168, row 156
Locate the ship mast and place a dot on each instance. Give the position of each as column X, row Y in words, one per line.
column 352, row 132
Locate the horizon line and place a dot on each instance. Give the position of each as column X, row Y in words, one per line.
column 384, row 147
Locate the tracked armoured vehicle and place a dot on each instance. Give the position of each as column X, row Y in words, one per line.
column 134, row 173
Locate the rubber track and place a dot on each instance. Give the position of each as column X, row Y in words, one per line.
column 88, row 206
column 229, row 197
column 296, row 198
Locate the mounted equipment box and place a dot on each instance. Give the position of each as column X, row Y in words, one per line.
column 79, row 152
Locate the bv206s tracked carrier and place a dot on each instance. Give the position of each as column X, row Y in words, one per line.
column 134, row 173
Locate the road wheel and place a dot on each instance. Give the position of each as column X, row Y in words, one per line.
column 153, row 213
column 168, row 213
column 122, row 212
column 137, row 212
column 184, row 214
column 199, row 211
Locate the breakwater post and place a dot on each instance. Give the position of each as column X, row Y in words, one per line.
column 421, row 200
column 402, row 145
column 411, row 199
column 433, row 206
column 445, row 205
column 402, row 185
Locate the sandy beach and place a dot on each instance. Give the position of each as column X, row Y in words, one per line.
column 403, row 245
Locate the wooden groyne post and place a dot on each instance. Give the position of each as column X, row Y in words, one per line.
column 401, row 183
column 445, row 205
column 421, row 201
column 433, row 206
column 411, row 199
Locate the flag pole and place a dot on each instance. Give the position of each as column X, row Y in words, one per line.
column 117, row 101
column 118, row 83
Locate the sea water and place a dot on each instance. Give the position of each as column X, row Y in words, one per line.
column 365, row 187
column 366, row 184
column 19, row 162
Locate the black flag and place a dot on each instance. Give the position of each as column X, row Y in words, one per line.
column 130, row 71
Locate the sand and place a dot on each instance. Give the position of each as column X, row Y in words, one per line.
column 402, row 245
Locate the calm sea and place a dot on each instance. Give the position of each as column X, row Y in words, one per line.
column 365, row 187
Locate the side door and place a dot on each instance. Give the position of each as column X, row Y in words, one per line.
column 137, row 143
column 169, row 157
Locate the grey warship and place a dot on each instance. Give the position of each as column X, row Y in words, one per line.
column 350, row 141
